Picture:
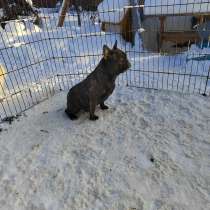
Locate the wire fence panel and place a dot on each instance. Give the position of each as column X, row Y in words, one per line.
column 48, row 46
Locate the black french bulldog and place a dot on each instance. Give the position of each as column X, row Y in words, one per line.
column 98, row 85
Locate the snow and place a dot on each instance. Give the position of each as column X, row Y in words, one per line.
column 16, row 28
column 149, row 151
column 112, row 10
column 164, row 7
column 30, row 2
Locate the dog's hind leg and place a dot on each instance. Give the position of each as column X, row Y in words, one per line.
column 103, row 106
column 71, row 115
column 92, row 110
column 92, row 101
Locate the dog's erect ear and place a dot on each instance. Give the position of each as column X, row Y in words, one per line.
column 106, row 51
column 115, row 45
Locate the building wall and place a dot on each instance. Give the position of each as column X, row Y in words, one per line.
column 126, row 27
column 152, row 28
column 111, row 27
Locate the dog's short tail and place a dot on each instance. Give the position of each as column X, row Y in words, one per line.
column 70, row 115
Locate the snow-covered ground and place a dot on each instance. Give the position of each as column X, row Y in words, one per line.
column 149, row 151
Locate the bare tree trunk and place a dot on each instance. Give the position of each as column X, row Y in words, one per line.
column 63, row 11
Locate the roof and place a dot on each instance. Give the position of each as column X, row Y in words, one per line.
column 175, row 7
column 112, row 10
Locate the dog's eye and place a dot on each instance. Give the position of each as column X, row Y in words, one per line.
column 122, row 60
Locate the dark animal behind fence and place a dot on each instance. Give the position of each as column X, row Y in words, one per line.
column 12, row 9
column 99, row 85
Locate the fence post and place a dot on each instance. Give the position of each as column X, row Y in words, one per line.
column 206, row 85
column 63, row 10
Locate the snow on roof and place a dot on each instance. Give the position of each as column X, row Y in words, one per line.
column 112, row 10
column 164, row 7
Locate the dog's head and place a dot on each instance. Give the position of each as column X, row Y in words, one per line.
column 117, row 58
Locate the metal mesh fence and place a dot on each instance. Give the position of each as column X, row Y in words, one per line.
column 44, row 49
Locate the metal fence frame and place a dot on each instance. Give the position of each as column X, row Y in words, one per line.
column 23, row 94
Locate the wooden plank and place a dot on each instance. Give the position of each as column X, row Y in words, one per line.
column 180, row 37
column 180, row 14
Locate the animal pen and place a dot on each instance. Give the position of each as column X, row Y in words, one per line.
column 150, row 150
column 38, row 60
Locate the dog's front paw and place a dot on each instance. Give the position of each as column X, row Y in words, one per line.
column 94, row 118
column 104, row 107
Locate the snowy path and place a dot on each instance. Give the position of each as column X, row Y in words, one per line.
column 149, row 151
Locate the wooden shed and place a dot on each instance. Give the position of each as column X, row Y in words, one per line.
column 116, row 16
column 174, row 20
